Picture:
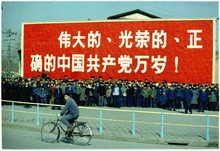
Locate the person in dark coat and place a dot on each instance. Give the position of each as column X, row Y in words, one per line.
column 57, row 97
column 159, row 94
column 130, row 93
column 171, row 98
column 36, row 92
column 163, row 100
column 43, row 95
column 16, row 91
column 69, row 90
column 26, row 94
column 179, row 97
column 139, row 97
column 187, row 99
column 10, row 91
column 101, row 94
column 203, row 98
column 33, row 94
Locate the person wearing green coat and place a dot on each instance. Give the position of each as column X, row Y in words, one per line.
column 212, row 101
column 145, row 94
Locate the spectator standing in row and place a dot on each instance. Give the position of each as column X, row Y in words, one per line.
column 74, row 92
column 82, row 97
column 115, row 94
column 203, row 98
column 163, row 100
column 101, row 95
column 95, row 95
column 158, row 96
column 139, row 97
column 63, row 87
column 130, row 95
column 108, row 95
column 153, row 94
column 212, row 101
column 187, row 99
column 69, row 90
column 171, row 98
column 43, row 95
column 89, row 95
column 123, row 89
column 179, row 97
column 57, row 97
column 33, row 94
column 145, row 94
column 194, row 102
column 16, row 90
column 26, row 93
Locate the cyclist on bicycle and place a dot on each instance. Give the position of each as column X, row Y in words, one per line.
column 72, row 112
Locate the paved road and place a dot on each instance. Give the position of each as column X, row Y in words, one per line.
column 117, row 125
column 24, row 139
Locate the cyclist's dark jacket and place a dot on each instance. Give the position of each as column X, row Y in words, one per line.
column 71, row 108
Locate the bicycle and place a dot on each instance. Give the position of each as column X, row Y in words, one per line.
column 80, row 133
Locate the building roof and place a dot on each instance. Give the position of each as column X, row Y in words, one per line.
column 136, row 11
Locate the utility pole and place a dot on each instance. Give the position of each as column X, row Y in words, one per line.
column 8, row 34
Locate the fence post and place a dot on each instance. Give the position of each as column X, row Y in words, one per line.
column 12, row 111
column 133, row 122
column 100, row 120
column 162, row 125
column 207, row 128
column 38, row 115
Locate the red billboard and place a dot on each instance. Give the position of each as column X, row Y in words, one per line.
column 157, row 50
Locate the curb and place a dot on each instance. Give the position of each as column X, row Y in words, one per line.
column 211, row 144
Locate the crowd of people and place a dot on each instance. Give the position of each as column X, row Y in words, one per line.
column 113, row 93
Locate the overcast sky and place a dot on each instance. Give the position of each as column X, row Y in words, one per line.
column 14, row 13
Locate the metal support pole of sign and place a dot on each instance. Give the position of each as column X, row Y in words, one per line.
column 133, row 123
column 100, row 121
column 162, row 125
column 12, row 111
column 207, row 128
column 38, row 115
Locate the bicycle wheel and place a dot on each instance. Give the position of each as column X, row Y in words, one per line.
column 82, row 134
column 50, row 132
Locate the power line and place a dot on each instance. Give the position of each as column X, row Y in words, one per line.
column 9, row 33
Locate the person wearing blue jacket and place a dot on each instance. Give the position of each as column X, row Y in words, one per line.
column 37, row 94
column 43, row 95
column 163, row 100
column 57, row 97
column 69, row 90
column 171, row 98
column 187, row 99
column 203, row 97
column 158, row 96
column 179, row 97
column 74, row 92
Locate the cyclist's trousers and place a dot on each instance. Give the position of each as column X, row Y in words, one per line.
column 66, row 118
